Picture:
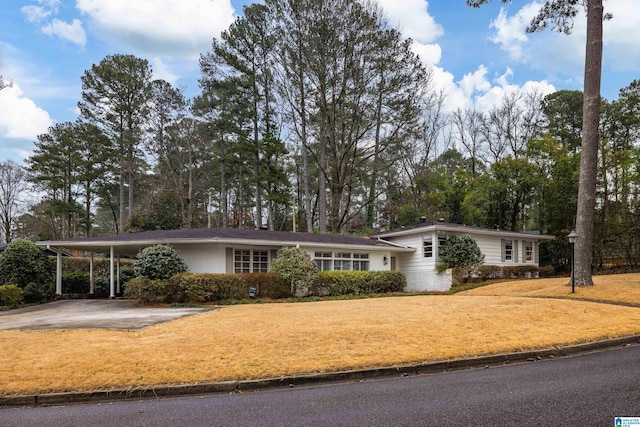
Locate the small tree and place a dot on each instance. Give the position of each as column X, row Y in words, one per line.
column 296, row 267
column 462, row 253
column 25, row 265
column 159, row 262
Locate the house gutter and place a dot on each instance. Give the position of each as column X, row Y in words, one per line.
column 244, row 242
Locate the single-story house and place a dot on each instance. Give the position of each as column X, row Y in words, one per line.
column 413, row 250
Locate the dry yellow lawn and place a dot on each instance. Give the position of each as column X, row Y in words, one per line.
column 274, row 340
column 619, row 288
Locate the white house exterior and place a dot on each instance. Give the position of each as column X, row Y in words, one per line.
column 412, row 250
column 500, row 248
column 226, row 250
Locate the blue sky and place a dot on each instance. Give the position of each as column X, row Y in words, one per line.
column 477, row 55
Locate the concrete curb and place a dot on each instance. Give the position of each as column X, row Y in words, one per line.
column 304, row 380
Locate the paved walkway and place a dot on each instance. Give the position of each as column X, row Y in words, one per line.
column 86, row 314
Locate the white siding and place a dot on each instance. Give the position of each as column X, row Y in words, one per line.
column 204, row 258
column 212, row 258
column 420, row 271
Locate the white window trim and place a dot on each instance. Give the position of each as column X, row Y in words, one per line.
column 349, row 259
column 252, row 261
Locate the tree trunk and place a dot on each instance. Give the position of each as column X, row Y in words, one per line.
column 223, row 189
column 120, row 225
column 590, row 137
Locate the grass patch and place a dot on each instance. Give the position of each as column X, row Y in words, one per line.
column 616, row 289
column 254, row 341
column 318, row 299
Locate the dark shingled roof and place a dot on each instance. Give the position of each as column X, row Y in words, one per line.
column 460, row 227
column 232, row 233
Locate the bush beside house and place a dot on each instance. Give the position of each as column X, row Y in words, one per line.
column 334, row 283
column 24, row 265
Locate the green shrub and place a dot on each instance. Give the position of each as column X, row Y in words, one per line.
column 297, row 268
column 492, row 272
column 335, row 283
column 147, row 290
column 158, row 262
column 35, row 293
column 460, row 251
column 75, row 282
column 10, row 295
column 206, row 287
column 25, row 265
column 267, row 285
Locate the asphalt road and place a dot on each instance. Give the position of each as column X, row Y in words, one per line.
column 585, row 390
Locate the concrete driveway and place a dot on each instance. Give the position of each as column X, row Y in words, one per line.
column 87, row 314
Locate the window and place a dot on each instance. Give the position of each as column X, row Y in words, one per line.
column 528, row 251
column 427, row 247
column 250, row 261
column 361, row 262
column 260, row 261
column 324, row 261
column 342, row 261
column 508, row 250
column 327, row 261
column 242, row 261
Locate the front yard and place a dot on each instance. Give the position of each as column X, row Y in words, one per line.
column 275, row 340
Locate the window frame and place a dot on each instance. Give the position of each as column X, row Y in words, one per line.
column 508, row 250
column 250, row 260
column 427, row 247
column 342, row 261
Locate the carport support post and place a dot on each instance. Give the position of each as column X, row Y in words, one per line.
column 118, row 276
column 92, row 289
column 112, row 287
column 59, row 272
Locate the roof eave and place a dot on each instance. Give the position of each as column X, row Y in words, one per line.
column 229, row 241
column 453, row 228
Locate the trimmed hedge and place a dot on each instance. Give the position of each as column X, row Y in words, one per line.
column 334, row 283
column 147, row 290
column 207, row 287
column 267, row 285
column 10, row 295
column 492, row 272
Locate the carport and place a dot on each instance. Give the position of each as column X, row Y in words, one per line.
column 112, row 246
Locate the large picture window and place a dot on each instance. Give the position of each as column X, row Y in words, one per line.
column 327, row 261
column 250, row 261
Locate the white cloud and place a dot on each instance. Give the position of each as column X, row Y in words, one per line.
column 510, row 31
column 429, row 53
column 161, row 71
column 413, row 19
column 476, row 90
column 471, row 83
column 37, row 14
column 71, row 32
column 176, row 28
column 560, row 56
column 621, row 35
column 20, row 117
